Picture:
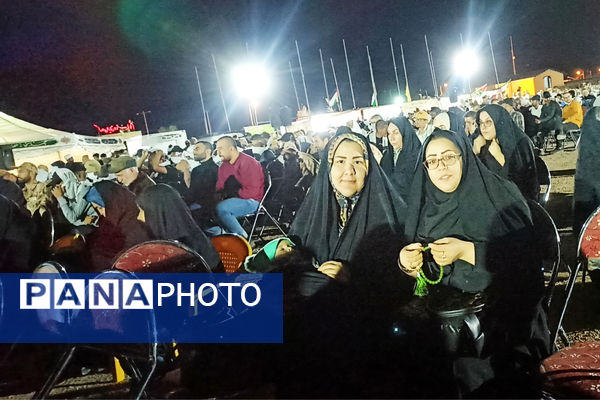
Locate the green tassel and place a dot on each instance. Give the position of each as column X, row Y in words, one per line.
column 422, row 281
column 421, row 286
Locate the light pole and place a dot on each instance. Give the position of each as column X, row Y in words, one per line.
column 143, row 113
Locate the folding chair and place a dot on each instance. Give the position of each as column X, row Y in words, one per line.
column 113, row 322
column 262, row 211
column 158, row 256
column 571, row 136
column 544, row 179
column 588, row 246
column 550, row 143
column 46, row 231
column 233, row 250
column 547, row 240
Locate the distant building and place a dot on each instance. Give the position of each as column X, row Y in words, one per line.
column 534, row 82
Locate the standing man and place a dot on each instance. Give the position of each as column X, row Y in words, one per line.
column 241, row 182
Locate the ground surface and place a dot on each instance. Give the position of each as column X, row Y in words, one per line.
column 582, row 321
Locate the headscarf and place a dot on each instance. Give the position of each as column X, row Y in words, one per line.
column 483, row 207
column 371, row 232
column 262, row 261
column 517, row 148
column 169, row 218
column 119, row 229
column 16, row 234
column 587, row 185
column 402, row 170
column 93, row 196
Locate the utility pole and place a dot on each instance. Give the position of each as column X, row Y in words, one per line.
column 143, row 114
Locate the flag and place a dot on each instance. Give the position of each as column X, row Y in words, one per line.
column 478, row 91
column 334, row 101
column 407, row 93
column 374, row 99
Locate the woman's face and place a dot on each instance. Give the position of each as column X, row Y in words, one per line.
column 348, row 168
column 394, row 136
column 470, row 125
column 447, row 173
column 486, row 125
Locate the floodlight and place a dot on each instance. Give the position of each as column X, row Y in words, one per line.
column 251, row 80
column 466, row 63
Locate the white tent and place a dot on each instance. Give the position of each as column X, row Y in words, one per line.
column 14, row 130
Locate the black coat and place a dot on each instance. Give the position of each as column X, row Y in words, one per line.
column 551, row 117
column 203, row 184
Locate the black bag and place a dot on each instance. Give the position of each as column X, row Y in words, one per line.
column 457, row 314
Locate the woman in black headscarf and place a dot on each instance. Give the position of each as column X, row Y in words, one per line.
column 16, row 235
column 478, row 226
column 505, row 149
column 118, row 226
column 352, row 215
column 168, row 218
column 400, row 158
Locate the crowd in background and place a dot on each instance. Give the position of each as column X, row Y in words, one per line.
column 372, row 207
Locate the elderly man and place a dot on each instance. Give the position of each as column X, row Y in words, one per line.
column 241, row 182
column 36, row 193
column 127, row 173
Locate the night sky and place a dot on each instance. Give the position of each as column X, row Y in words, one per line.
column 70, row 64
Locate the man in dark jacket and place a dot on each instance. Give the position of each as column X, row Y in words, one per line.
column 203, row 182
column 551, row 118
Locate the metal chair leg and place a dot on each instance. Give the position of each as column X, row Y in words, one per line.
column 569, row 291
column 150, row 373
column 56, row 374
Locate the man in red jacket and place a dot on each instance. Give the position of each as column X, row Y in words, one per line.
column 242, row 174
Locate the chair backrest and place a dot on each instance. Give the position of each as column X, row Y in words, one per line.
column 46, row 230
column 119, row 322
column 54, row 320
column 588, row 245
column 233, row 250
column 544, row 179
column 547, row 240
column 158, row 256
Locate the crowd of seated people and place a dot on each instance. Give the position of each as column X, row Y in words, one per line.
column 430, row 202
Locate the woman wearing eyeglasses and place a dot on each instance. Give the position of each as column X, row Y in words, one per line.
column 505, row 149
column 479, row 232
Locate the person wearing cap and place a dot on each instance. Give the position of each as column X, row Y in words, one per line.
column 36, row 193
column 128, row 174
column 69, row 160
column 551, row 117
column 421, row 122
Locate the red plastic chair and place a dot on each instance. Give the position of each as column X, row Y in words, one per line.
column 158, row 256
column 573, row 372
column 233, row 250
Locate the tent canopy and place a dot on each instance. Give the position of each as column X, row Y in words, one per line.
column 14, row 130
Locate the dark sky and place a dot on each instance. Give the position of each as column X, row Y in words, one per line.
column 69, row 64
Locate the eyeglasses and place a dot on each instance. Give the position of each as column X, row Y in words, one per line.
column 448, row 159
column 488, row 123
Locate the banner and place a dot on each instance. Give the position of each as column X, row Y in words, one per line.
column 122, row 307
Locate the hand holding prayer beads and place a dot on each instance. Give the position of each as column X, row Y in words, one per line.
column 411, row 259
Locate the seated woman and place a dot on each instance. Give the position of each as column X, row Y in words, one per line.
column 505, row 149
column 16, row 235
column 118, row 226
column 168, row 217
column 478, row 227
column 400, row 159
column 351, row 216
